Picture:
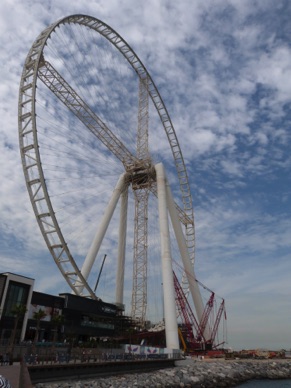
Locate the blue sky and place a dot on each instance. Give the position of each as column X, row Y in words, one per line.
column 223, row 69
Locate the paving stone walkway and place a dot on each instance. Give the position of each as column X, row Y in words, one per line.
column 11, row 372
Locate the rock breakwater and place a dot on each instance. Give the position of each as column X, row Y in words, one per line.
column 189, row 373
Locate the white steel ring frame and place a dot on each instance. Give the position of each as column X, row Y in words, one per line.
column 32, row 162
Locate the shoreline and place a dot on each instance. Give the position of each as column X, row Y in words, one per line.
column 207, row 373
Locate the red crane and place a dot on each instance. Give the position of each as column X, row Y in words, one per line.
column 217, row 321
column 194, row 330
column 186, row 314
column 206, row 313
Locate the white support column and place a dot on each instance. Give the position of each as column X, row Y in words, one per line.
column 171, row 325
column 93, row 251
column 188, row 267
column 121, row 247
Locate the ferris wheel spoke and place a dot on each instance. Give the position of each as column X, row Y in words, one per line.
column 68, row 96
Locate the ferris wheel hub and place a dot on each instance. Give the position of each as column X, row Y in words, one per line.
column 141, row 175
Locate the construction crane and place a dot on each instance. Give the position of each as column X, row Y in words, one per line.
column 97, row 282
column 192, row 331
column 186, row 314
column 221, row 310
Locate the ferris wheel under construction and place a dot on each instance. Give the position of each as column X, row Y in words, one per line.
column 98, row 148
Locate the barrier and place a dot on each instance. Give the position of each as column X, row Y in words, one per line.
column 56, row 371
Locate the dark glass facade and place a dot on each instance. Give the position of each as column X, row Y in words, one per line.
column 83, row 319
column 17, row 294
column 52, row 306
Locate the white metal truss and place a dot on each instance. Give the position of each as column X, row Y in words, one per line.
column 141, row 186
column 121, row 248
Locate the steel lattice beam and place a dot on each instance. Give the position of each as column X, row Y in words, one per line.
column 141, row 195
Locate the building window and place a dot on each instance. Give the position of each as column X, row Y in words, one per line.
column 17, row 294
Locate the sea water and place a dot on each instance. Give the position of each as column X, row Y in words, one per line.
column 266, row 384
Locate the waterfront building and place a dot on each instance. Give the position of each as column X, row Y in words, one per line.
column 82, row 320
